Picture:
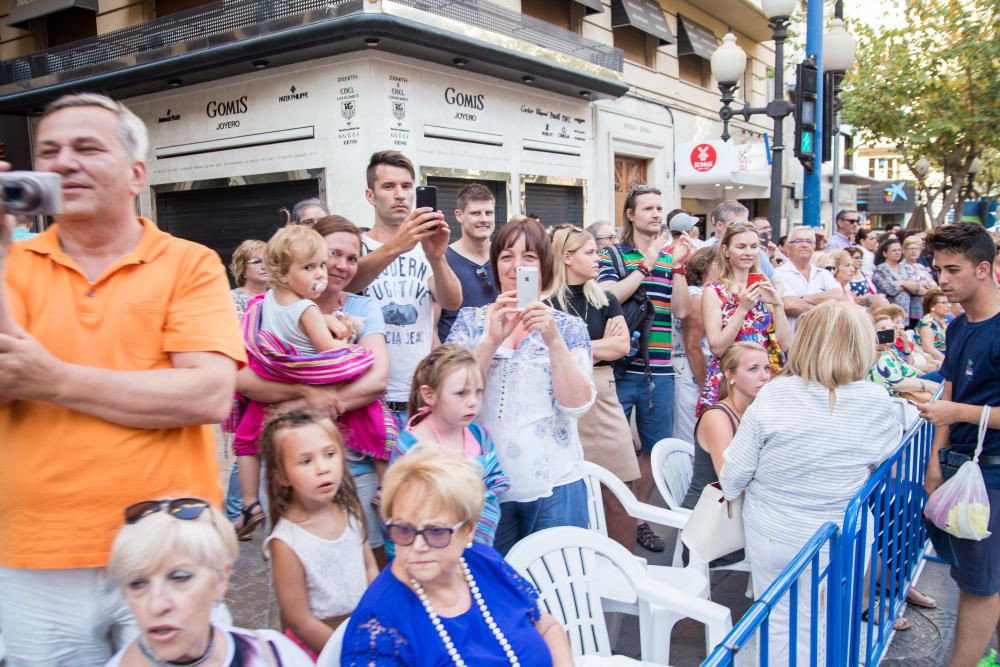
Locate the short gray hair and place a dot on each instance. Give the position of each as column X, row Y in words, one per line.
column 595, row 228
column 131, row 129
column 306, row 203
column 802, row 228
column 729, row 211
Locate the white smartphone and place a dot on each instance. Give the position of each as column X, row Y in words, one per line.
column 527, row 286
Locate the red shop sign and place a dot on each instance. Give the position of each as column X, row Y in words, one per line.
column 703, row 157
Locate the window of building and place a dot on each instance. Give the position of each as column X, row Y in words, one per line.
column 166, row 7
column 695, row 70
column 63, row 27
column 746, row 87
column 562, row 13
column 639, row 47
column 629, row 172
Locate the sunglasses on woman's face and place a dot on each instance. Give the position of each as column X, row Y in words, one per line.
column 187, row 509
column 436, row 537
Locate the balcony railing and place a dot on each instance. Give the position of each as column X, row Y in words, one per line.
column 232, row 20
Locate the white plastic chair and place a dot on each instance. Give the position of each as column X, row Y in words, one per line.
column 330, row 655
column 569, row 565
column 672, row 462
column 618, row 596
column 673, row 465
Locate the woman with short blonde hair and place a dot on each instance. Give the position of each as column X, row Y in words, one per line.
column 445, row 599
column 804, row 447
column 173, row 559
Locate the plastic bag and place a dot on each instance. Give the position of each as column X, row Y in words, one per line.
column 961, row 506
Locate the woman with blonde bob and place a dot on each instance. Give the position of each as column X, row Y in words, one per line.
column 444, row 599
column 804, row 447
column 173, row 559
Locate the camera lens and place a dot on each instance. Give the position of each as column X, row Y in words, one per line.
column 20, row 195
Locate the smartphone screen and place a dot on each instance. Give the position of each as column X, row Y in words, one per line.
column 427, row 197
column 886, row 336
column 527, row 286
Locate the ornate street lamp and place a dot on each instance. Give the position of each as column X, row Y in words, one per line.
column 974, row 168
column 838, row 56
column 728, row 63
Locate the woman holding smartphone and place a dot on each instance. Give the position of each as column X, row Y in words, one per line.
column 540, row 381
column 741, row 305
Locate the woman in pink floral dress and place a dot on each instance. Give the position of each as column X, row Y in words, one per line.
column 741, row 305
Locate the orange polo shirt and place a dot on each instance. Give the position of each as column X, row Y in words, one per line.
column 65, row 477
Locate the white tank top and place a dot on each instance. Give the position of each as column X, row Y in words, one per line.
column 335, row 569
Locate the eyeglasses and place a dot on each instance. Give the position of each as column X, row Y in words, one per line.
column 186, row 509
column 609, row 237
column 831, row 269
column 853, row 221
column 484, row 278
column 639, row 190
column 436, row 537
column 801, row 242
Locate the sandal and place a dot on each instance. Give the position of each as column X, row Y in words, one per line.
column 250, row 522
column 648, row 539
column 918, row 599
column 901, row 624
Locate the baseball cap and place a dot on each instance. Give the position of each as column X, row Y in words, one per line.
column 682, row 222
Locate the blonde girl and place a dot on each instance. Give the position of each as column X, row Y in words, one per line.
column 320, row 559
column 445, row 397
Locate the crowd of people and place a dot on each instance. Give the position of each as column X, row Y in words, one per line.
column 401, row 419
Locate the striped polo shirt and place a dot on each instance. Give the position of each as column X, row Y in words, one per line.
column 659, row 288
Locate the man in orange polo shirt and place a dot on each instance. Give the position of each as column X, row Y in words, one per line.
column 124, row 347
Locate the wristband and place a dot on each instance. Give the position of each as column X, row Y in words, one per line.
column 643, row 270
column 680, row 270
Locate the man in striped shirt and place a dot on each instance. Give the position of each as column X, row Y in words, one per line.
column 650, row 263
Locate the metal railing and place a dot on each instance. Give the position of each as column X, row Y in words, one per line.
column 232, row 20
column 755, row 623
column 868, row 579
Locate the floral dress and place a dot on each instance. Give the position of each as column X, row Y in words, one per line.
column 889, row 370
column 758, row 327
column 937, row 331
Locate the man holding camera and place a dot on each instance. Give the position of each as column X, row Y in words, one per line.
column 403, row 268
column 117, row 347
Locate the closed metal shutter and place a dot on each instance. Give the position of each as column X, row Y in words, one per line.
column 554, row 204
column 448, row 193
column 222, row 218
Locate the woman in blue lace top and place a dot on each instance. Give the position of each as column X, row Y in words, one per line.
column 435, row 604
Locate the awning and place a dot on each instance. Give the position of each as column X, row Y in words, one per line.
column 644, row 15
column 709, row 169
column 22, row 11
column 591, row 6
column 694, row 39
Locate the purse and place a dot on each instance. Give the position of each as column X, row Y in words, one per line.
column 715, row 528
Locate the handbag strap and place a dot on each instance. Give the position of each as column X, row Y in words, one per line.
column 984, row 425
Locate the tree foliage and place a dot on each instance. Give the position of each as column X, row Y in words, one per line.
column 931, row 88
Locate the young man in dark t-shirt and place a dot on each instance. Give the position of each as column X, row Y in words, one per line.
column 963, row 258
column 469, row 257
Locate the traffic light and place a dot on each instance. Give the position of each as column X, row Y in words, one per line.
column 831, row 107
column 805, row 113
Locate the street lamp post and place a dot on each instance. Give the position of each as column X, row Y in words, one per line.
column 973, row 169
column 838, row 56
column 728, row 63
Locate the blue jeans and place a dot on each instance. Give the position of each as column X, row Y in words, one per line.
column 567, row 506
column 234, row 497
column 654, row 407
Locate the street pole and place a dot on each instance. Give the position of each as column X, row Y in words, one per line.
column 780, row 28
column 835, row 194
column 812, row 203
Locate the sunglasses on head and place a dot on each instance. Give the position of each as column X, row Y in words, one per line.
column 436, row 537
column 484, row 277
column 186, row 509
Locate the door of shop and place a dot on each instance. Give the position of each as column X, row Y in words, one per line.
column 629, row 172
column 448, row 193
column 554, row 204
column 222, row 218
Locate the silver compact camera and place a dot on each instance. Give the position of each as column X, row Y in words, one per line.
column 31, row 192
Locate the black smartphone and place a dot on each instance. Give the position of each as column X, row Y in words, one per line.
column 427, row 197
column 886, row 336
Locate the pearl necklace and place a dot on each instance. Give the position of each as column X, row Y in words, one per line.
column 487, row 616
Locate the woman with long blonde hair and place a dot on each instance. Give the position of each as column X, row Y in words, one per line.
column 741, row 305
column 604, row 431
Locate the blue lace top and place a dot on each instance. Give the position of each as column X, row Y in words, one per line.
column 390, row 628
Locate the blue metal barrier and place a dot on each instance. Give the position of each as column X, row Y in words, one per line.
column 756, row 620
column 877, row 575
column 873, row 559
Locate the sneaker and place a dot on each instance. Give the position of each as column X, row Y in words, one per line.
column 990, row 660
column 648, row 539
